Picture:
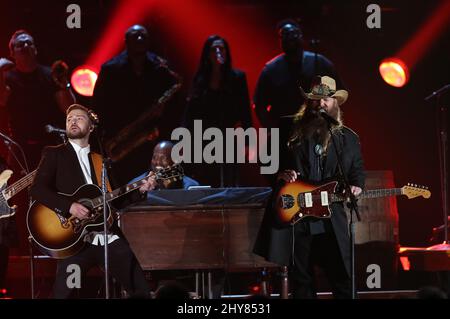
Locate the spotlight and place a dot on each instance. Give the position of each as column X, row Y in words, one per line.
column 394, row 72
column 83, row 80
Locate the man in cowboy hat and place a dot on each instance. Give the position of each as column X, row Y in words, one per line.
column 310, row 155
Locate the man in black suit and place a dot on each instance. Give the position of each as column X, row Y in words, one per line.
column 310, row 155
column 63, row 169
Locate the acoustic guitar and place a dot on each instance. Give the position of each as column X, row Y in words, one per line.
column 61, row 237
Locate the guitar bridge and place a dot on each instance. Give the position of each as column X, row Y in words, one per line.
column 286, row 201
column 64, row 221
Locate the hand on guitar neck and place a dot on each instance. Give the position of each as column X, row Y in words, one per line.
column 82, row 212
column 149, row 184
column 290, row 176
column 355, row 190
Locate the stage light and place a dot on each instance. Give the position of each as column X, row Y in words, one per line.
column 406, row 265
column 83, row 80
column 255, row 289
column 394, row 72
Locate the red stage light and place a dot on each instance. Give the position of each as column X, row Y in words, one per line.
column 255, row 289
column 394, row 72
column 406, row 265
column 83, row 80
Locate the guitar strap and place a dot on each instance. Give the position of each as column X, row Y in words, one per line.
column 97, row 162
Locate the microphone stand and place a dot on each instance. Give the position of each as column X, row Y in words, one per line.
column 353, row 206
column 24, row 170
column 443, row 161
column 105, row 162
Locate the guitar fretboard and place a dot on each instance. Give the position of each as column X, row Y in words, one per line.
column 98, row 201
column 22, row 183
column 375, row 193
column 170, row 173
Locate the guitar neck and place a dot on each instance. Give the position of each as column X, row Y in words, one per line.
column 18, row 186
column 373, row 193
column 98, row 201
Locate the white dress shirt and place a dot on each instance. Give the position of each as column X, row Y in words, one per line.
column 95, row 238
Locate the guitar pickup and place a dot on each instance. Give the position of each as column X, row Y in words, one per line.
column 308, row 200
column 324, row 198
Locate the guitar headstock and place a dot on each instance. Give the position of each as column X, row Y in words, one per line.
column 172, row 173
column 414, row 190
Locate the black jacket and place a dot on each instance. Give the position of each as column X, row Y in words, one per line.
column 59, row 171
column 222, row 108
column 274, row 242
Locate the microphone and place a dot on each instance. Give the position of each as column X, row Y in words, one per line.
column 327, row 117
column 51, row 129
column 219, row 57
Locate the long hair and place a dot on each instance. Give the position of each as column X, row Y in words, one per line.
column 203, row 74
column 309, row 124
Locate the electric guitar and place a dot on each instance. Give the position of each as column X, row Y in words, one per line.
column 7, row 192
column 298, row 200
column 60, row 236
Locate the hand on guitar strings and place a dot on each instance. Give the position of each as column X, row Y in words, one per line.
column 79, row 211
column 288, row 176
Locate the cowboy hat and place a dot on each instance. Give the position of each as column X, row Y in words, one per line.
column 324, row 86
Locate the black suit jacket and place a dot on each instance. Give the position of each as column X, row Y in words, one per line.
column 59, row 171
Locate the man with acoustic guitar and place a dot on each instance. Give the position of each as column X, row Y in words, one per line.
column 63, row 170
column 310, row 155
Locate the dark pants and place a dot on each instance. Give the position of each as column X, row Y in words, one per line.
column 322, row 250
column 123, row 266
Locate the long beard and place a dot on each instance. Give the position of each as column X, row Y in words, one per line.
column 315, row 127
column 310, row 125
